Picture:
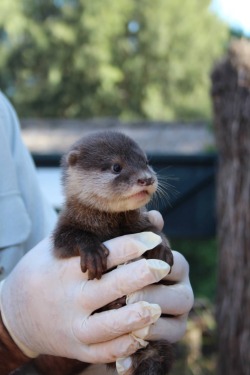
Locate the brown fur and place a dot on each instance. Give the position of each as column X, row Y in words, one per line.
column 101, row 204
column 50, row 365
column 11, row 357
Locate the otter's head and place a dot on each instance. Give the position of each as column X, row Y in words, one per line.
column 108, row 171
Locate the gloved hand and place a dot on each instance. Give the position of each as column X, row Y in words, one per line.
column 46, row 303
column 175, row 299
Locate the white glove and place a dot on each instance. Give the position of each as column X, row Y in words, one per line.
column 176, row 300
column 46, row 303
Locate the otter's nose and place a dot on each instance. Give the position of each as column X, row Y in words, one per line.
column 145, row 181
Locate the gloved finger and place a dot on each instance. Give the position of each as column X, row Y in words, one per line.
column 107, row 325
column 156, row 219
column 110, row 351
column 131, row 246
column 174, row 299
column 124, row 280
column 180, row 268
column 170, row 329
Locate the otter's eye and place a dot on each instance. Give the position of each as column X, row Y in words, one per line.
column 116, row 168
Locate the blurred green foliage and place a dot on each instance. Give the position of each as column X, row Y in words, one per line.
column 202, row 258
column 132, row 59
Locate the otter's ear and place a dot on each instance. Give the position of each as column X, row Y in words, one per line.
column 72, row 157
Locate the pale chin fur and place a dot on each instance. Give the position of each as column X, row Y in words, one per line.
column 127, row 204
column 115, row 205
column 99, row 199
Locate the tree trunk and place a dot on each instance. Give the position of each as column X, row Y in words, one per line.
column 231, row 101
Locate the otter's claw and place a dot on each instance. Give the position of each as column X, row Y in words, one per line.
column 94, row 260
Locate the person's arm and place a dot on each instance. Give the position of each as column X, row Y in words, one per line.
column 25, row 215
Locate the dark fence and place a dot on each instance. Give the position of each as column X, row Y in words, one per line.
column 188, row 204
column 190, row 210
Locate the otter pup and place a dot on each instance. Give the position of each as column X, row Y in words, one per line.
column 107, row 182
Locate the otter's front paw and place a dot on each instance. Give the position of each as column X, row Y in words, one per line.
column 94, row 260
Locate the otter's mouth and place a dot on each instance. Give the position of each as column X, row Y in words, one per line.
column 140, row 195
column 143, row 195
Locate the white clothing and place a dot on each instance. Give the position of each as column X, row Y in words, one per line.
column 25, row 216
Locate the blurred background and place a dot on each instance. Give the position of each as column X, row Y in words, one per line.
column 74, row 66
column 130, row 59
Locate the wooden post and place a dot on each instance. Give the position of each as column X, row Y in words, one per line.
column 231, row 102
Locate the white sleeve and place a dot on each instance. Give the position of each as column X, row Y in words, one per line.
column 25, row 216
